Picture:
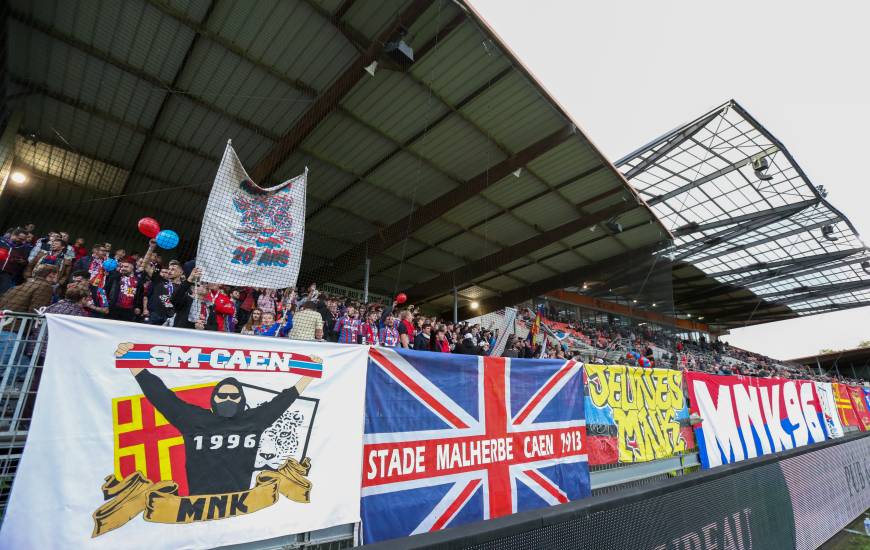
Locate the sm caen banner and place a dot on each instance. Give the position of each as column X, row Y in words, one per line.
column 744, row 417
column 635, row 414
column 152, row 437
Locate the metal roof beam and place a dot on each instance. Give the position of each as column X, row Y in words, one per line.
column 561, row 280
column 427, row 213
column 791, row 208
column 135, row 71
column 709, row 177
column 512, row 252
column 201, row 29
column 440, row 35
column 329, row 99
column 757, row 221
column 463, row 230
column 799, row 230
column 784, row 269
column 673, row 142
column 824, row 291
column 405, row 146
column 802, row 270
column 157, row 116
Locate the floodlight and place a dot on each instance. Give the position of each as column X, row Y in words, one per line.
column 828, row 232
column 613, row 226
column 761, row 164
column 18, row 177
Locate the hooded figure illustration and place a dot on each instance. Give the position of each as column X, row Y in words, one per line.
column 220, row 444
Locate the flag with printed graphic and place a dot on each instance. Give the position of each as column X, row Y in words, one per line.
column 452, row 439
column 251, row 236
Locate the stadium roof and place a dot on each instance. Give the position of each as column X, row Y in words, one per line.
column 456, row 169
column 754, row 239
column 842, row 360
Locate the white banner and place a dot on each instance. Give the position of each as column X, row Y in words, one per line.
column 829, row 408
column 252, row 236
column 170, row 438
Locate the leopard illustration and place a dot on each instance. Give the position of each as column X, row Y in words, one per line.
column 280, row 441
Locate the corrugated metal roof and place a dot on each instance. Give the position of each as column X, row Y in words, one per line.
column 413, row 164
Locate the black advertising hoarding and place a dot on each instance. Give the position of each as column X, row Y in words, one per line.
column 796, row 499
column 829, row 488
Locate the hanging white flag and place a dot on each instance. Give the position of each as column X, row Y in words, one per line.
column 252, row 236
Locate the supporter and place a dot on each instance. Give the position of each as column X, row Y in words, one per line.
column 75, row 302
column 440, row 343
column 389, row 333
column 16, row 247
column 79, row 249
column 348, row 327
column 221, row 307
column 406, row 329
column 93, row 264
column 254, row 321
column 270, row 327
column 158, row 307
column 54, row 254
column 307, row 323
column 33, row 294
column 43, row 244
column 183, row 300
column 422, row 339
column 124, row 290
column 467, row 346
column 266, row 301
column 369, row 330
column 327, row 310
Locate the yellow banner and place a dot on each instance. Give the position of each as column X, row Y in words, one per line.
column 643, row 404
column 160, row 502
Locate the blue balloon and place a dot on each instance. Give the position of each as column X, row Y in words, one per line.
column 110, row 264
column 167, row 239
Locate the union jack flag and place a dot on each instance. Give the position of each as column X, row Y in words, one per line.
column 452, row 439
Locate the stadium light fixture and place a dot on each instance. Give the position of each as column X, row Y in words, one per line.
column 18, row 177
column 828, row 233
column 613, row 226
column 865, row 265
column 372, row 67
column 518, row 172
column 398, row 50
column 474, row 305
column 760, row 165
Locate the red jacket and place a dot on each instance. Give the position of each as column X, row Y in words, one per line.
column 223, row 310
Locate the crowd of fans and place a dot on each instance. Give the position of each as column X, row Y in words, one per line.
column 53, row 274
column 48, row 274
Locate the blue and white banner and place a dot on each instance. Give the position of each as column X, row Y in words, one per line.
column 452, row 439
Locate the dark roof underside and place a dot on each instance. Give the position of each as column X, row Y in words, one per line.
column 456, row 170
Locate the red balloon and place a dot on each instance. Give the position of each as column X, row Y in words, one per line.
column 149, row 227
column 401, row 298
column 4, row 253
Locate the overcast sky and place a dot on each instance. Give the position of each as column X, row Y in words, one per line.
column 629, row 71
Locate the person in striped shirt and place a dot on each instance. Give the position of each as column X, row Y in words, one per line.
column 348, row 327
column 389, row 333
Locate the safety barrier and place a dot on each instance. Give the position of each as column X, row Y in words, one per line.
column 23, row 339
column 794, row 499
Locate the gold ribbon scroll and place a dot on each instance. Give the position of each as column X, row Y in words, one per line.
column 161, row 503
